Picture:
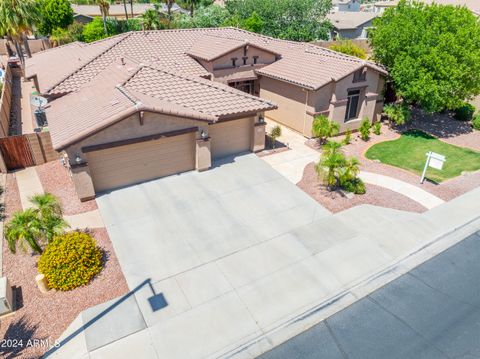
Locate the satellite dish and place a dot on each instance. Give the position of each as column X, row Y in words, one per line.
column 38, row 101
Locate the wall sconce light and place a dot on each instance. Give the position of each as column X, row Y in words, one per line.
column 78, row 159
column 261, row 119
column 203, row 135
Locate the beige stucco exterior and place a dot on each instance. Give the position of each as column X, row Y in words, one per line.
column 298, row 106
column 120, row 165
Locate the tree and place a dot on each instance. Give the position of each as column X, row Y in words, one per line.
column 331, row 162
column 299, row 20
column 94, row 30
column 324, row 128
column 169, row 4
column 17, row 17
column 432, row 53
column 253, row 23
column 24, row 229
column 104, row 6
column 349, row 48
column 125, row 8
column 192, row 5
column 151, row 20
column 211, row 16
column 55, row 14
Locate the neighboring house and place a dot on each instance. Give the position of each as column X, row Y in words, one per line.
column 350, row 25
column 473, row 5
column 346, row 5
column 147, row 104
column 86, row 13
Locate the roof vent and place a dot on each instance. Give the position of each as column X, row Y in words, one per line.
column 122, row 60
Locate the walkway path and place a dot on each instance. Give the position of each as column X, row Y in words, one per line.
column 29, row 185
column 291, row 165
column 419, row 195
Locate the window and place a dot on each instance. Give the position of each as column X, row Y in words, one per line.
column 353, row 100
column 245, row 58
column 255, row 60
column 360, row 75
column 234, row 61
column 245, row 86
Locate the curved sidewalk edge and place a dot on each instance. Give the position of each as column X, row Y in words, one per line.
column 419, row 195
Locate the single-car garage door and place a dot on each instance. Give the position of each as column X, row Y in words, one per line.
column 133, row 163
column 230, row 137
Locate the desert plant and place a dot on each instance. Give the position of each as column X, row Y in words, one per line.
column 377, row 128
column 275, row 132
column 70, row 261
column 348, row 137
column 331, row 162
column 323, row 128
column 364, row 129
column 476, row 122
column 348, row 176
column 464, row 112
column 24, row 229
column 398, row 114
column 49, row 213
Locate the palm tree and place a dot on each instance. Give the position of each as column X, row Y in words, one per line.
column 349, row 171
column 49, row 212
column 104, row 6
column 24, row 229
column 151, row 20
column 125, row 7
column 331, row 164
column 17, row 17
column 192, row 4
column 169, row 4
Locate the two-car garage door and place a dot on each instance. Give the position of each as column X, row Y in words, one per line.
column 133, row 163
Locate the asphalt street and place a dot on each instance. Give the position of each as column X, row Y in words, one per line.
column 431, row 312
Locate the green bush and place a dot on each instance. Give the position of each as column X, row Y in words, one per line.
column 354, row 185
column 465, row 112
column 274, row 134
column 348, row 137
column 70, row 261
column 347, row 47
column 377, row 128
column 364, row 129
column 476, row 122
column 323, row 128
column 397, row 113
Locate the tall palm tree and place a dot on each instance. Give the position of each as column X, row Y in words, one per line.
column 151, row 20
column 192, row 4
column 125, row 7
column 24, row 229
column 169, row 4
column 17, row 17
column 104, row 6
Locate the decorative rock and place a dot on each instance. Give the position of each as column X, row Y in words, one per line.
column 42, row 283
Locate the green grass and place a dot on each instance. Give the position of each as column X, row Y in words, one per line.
column 409, row 152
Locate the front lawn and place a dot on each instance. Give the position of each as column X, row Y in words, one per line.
column 409, row 152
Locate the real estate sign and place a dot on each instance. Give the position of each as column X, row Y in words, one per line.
column 434, row 160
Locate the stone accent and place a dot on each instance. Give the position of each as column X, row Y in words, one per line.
column 83, row 182
column 203, row 159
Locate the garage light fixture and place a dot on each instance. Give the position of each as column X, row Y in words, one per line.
column 203, row 135
column 261, row 119
column 78, row 159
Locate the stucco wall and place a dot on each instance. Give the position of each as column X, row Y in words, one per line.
column 130, row 128
column 291, row 102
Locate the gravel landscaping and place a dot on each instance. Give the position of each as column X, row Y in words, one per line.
column 56, row 179
column 46, row 316
column 335, row 202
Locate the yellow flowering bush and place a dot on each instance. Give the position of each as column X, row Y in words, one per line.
column 70, row 260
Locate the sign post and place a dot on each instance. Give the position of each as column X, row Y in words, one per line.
column 434, row 160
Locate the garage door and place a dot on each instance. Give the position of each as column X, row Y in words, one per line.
column 138, row 162
column 230, row 137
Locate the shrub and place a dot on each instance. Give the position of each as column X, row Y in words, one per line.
column 397, row 113
column 377, row 128
column 465, row 112
column 323, row 128
column 275, row 133
column 70, row 261
column 364, row 129
column 355, row 185
column 349, row 48
column 348, row 137
column 476, row 122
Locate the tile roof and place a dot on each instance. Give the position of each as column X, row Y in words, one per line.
column 348, row 20
column 473, row 5
column 120, row 91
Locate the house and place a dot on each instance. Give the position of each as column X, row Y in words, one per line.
column 350, row 25
column 142, row 105
column 86, row 13
column 346, row 5
column 473, row 5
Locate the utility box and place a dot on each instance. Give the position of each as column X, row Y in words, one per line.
column 6, row 296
